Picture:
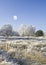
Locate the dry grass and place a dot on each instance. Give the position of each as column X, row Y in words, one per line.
column 38, row 57
column 22, row 52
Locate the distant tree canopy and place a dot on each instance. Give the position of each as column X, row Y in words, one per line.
column 7, row 30
column 39, row 33
column 25, row 30
column 15, row 33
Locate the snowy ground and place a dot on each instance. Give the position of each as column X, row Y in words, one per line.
column 23, row 52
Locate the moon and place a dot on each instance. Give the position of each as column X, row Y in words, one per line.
column 15, row 17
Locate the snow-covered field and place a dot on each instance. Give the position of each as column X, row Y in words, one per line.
column 23, row 52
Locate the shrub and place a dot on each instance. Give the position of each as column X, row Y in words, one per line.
column 39, row 33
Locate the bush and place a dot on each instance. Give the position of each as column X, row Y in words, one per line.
column 39, row 33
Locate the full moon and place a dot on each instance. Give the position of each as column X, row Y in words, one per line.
column 15, row 17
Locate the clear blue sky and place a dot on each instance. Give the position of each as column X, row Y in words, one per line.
column 28, row 12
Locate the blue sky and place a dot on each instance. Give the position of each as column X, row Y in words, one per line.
column 29, row 12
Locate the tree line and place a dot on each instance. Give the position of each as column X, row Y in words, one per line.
column 24, row 30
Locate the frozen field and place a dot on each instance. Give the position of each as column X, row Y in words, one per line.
column 23, row 51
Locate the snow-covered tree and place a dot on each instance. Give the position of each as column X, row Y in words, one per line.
column 6, row 30
column 25, row 30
